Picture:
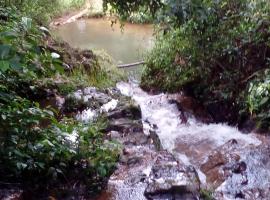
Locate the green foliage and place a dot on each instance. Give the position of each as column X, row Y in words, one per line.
column 142, row 16
column 43, row 11
column 38, row 148
column 211, row 49
column 126, row 8
column 21, row 48
column 166, row 64
column 258, row 100
column 33, row 142
column 206, row 194
column 219, row 47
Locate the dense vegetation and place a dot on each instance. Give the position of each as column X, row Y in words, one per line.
column 35, row 146
column 43, row 11
column 215, row 50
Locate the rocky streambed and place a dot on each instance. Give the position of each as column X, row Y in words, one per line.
column 166, row 157
column 171, row 149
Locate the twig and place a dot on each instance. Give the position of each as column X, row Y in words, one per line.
column 131, row 64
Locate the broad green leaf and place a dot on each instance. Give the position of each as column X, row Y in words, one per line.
column 264, row 100
column 4, row 51
column 4, row 66
column 9, row 35
column 27, row 23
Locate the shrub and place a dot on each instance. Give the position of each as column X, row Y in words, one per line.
column 258, row 100
column 42, row 11
column 37, row 148
column 221, row 44
column 167, row 68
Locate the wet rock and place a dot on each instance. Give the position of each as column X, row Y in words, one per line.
column 11, row 194
column 130, row 160
column 221, row 163
column 53, row 100
column 249, row 177
column 114, row 134
column 92, row 94
column 156, row 141
column 247, row 125
column 126, row 119
column 239, row 167
column 170, row 179
column 88, row 100
column 126, row 111
column 189, row 105
column 125, row 125
column 223, row 112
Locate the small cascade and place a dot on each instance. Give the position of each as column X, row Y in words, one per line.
column 228, row 162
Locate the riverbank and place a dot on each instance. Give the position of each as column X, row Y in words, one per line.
column 46, row 148
column 94, row 9
column 70, row 129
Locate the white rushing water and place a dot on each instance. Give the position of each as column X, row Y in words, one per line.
column 157, row 110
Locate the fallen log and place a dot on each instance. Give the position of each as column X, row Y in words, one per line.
column 131, row 64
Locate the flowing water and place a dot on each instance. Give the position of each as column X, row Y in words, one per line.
column 193, row 143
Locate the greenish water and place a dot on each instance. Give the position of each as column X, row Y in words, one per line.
column 125, row 45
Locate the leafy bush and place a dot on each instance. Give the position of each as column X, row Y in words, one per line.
column 33, row 142
column 142, row 16
column 258, row 100
column 164, row 62
column 21, row 48
column 43, row 11
column 220, row 46
column 210, row 49
column 37, row 148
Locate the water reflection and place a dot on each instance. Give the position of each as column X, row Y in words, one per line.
column 125, row 46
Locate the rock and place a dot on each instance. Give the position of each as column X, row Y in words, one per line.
column 170, row 179
column 45, row 30
column 92, row 94
column 55, row 101
column 110, row 106
column 11, row 194
column 239, row 167
column 156, row 141
column 249, row 178
column 88, row 99
column 126, row 111
column 189, row 105
column 125, row 125
column 222, row 112
column 130, row 160
column 55, row 55
column 219, row 164
column 247, row 125
column 114, row 135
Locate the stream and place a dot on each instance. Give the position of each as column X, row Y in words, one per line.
column 126, row 45
column 181, row 158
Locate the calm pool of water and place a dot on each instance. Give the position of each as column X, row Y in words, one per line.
column 125, row 45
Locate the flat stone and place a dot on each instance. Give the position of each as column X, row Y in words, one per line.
column 170, row 179
column 219, row 164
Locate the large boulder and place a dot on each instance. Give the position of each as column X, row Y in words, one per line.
column 170, row 179
column 220, row 163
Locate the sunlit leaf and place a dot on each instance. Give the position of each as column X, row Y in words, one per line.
column 4, row 66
